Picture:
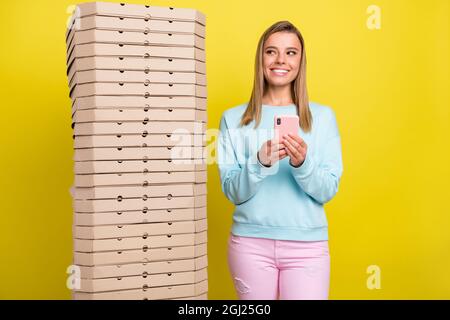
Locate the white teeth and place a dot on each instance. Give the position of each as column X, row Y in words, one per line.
column 279, row 71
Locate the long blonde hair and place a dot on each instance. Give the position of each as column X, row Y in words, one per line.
column 299, row 90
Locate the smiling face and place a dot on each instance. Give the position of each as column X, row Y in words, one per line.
column 281, row 58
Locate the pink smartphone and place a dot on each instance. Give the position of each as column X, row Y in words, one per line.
column 285, row 124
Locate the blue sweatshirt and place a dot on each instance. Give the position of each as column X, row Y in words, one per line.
column 279, row 202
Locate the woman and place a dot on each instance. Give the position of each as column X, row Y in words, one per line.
column 278, row 245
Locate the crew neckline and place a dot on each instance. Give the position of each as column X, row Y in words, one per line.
column 285, row 106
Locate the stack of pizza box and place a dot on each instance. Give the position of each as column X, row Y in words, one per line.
column 138, row 87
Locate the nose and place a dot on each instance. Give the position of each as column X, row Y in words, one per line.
column 279, row 59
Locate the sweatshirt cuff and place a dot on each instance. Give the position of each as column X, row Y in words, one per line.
column 305, row 169
column 256, row 167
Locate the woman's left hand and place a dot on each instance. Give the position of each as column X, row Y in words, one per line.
column 296, row 149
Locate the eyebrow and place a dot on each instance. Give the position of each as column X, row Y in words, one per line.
column 272, row 47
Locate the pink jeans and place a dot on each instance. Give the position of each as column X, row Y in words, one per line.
column 266, row 269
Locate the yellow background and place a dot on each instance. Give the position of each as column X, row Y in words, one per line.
column 388, row 87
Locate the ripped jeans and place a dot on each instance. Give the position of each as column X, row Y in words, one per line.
column 267, row 269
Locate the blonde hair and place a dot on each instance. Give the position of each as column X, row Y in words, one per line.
column 299, row 90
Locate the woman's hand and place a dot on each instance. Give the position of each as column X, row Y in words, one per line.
column 271, row 151
column 296, row 149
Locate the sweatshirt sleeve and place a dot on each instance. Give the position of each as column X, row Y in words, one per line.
column 239, row 181
column 319, row 176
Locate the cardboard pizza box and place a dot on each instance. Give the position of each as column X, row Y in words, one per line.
column 129, row 243
column 154, row 293
column 122, row 76
column 139, row 216
column 107, row 166
column 132, row 153
column 145, row 37
column 139, row 256
column 133, row 24
column 138, row 230
column 141, row 191
column 149, row 178
column 136, row 38
column 144, row 65
column 152, row 140
column 140, row 153
column 137, row 11
column 143, row 282
column 114, row 205
column 141, row 269
column 135, row 89
column 147, row 103
column 143, row 128
column 129, row 50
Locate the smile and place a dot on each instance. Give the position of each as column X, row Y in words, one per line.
column 279, row 72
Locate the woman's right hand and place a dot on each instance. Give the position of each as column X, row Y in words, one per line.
column 271, row 151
